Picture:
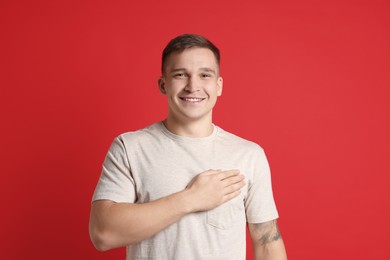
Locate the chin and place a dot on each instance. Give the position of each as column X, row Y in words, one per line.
column 196, row 117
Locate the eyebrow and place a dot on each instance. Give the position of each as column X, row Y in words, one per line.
column 178, row 69
column 206, row 69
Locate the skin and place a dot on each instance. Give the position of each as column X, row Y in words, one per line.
column 267, row 242
column 192, row 84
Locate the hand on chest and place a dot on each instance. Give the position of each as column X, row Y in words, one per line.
column 166, row 170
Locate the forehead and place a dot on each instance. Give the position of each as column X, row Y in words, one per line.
column 191, row 58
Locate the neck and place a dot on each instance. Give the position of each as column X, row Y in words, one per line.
column 198, row 128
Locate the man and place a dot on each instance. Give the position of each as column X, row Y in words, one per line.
column 184, row 188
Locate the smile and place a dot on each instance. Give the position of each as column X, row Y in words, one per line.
column 192, row 99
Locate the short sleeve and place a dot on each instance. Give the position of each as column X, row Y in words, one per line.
column 116, row 182
column 260, row 205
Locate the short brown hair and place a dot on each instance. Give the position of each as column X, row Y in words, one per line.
column 186, row 41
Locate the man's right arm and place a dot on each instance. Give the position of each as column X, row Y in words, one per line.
column 119, row 224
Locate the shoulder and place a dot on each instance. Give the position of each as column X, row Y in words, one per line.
column 149, row 132
column 138, row 138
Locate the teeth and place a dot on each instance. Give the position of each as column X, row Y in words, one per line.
column 193, row 99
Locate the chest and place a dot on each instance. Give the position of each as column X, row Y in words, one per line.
column 168, row 168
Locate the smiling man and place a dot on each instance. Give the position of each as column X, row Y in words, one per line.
column 184, row 188
column 192, row 84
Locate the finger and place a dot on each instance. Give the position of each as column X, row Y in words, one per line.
column 226, row 174
column 230, row 196
column 233, row 180
column 209, row 172
column 234, row 187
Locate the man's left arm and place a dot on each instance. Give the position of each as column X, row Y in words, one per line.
column 266, row 241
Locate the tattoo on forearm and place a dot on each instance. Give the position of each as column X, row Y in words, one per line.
column 267, row 232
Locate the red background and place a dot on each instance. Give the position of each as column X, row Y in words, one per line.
column 307, row 80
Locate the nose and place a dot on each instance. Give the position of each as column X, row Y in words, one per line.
column 192, row 85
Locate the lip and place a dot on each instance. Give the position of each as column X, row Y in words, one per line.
column 192, row 99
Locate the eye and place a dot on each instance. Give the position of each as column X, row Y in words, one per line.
column 180, row 75
column 205, row 75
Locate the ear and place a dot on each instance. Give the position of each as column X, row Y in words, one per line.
column 161, row 85
column 219, row 86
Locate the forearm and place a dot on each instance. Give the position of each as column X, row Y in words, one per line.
column 118, row 224
column 267, row 242
column 271, row 251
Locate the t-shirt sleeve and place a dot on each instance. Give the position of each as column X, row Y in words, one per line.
column 260, row 205
column 116, row 182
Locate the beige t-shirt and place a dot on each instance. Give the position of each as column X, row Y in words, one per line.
column 151, row 163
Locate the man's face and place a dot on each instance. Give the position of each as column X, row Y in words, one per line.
column 192, row 84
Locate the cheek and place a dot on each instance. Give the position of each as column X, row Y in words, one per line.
column 214, row 91
column 176, row 87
